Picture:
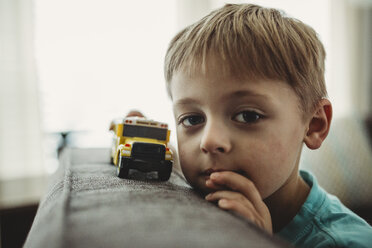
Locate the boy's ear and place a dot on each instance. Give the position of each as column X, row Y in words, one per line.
column 319, row 124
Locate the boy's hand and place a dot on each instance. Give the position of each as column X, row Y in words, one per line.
column 241, row 197
column 134, row 113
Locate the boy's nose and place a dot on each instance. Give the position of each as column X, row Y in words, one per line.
column 215, row 140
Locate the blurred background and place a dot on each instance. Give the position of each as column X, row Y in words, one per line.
column 67, row 68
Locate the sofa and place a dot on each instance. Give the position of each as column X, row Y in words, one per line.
column 87, row 205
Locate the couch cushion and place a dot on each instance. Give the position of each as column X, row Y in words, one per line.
column 88, row 206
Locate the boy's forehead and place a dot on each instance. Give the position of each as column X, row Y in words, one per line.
column 187, row 79
column 213, row 73
column 186, row 85
column 205, row 76
column 215, row 66
column 209, row 66
column 196, row 88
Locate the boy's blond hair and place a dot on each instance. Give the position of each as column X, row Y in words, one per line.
column 249, row 41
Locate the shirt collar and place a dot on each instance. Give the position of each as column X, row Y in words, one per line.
column 309, row 209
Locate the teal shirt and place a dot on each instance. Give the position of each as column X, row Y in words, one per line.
column 323, row 221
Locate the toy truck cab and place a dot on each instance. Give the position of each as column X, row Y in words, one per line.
column 141, row 144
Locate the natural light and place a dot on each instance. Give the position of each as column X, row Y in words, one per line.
column 99, row 59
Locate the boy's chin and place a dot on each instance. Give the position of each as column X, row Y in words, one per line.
column 203, row 191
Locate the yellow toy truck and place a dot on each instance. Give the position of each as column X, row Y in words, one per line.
column 141, row 144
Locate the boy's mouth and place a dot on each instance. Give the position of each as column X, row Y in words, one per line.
column 207, row 173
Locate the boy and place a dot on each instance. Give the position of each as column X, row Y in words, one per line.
column 247, row 86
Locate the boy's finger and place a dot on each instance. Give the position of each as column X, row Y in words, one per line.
column 230, row 195
column 135, row 113
column 250, row 214
column 234, row 203
column 215, row 186
column 237, row 207
column 237, row 182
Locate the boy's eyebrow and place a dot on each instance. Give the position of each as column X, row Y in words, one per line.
column 244, row 93
column 186, row 101
column 233, row 95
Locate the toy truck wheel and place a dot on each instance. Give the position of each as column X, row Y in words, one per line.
column 165, row 173
column 164, row 176
column 122, row 170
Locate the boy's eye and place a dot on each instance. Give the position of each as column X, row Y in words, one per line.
column 192, row 120
column 247, row 117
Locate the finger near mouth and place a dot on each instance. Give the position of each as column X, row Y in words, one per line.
column 215, row 182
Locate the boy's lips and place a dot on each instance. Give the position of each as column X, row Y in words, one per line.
column 209, row 171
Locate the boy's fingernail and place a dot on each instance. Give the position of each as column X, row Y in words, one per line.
column 208, row 196
column 214, row 175
column 222, row 203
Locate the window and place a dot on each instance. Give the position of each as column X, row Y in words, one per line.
column 99, row 59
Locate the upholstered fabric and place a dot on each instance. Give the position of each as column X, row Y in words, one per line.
column 88, row 206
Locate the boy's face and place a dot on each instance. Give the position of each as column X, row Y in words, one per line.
column 253, row 128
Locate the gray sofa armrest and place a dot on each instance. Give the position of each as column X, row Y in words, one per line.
column 88, row 206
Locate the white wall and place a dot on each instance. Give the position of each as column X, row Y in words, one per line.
column 97, row 59
column 20, row 131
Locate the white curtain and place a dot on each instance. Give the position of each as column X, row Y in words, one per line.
column 20, row 133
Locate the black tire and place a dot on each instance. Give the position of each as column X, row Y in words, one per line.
column 122, row 170
column 165, row 173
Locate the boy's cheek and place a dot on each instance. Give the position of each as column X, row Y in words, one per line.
column 188, row 146
column 185, row 157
